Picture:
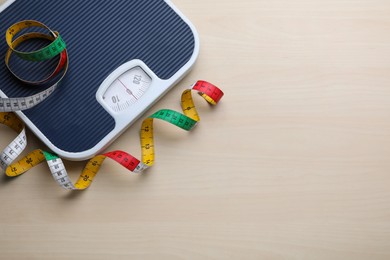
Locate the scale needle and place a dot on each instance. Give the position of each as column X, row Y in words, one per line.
column 127, row 90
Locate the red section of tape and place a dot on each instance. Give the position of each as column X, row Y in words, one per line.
column 209, row 89
column 126, row 160
column 61, row 63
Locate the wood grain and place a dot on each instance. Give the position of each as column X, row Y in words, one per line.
column 293, row 164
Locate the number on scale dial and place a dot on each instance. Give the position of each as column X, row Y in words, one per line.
column 127, row 89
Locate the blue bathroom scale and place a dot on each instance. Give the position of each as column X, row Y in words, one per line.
column 123, row 56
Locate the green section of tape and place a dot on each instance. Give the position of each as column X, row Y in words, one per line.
column 50, row 156
column 46, row 53
column 175, row 118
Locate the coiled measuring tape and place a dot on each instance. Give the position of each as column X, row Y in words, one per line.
column 57, row 47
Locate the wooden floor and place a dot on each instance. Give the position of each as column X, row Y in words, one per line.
column 293, row 164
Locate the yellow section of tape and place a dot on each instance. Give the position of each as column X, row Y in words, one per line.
column 147, row 142
column 89, row 172
column 11, row 120
column 26, row 163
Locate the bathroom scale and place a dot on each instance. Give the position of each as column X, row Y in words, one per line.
column 123, row 56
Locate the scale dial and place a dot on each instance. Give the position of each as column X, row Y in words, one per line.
column 127, row 89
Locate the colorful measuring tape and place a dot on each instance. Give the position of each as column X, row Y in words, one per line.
column 186, row 120
column 55, row 48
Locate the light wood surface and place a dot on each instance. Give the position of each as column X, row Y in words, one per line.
column 293, row 164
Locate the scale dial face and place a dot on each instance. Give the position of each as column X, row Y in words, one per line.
column 127, row 89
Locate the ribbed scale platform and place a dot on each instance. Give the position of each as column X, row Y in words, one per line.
column 100, row 35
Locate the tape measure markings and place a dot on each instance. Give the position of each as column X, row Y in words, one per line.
column 16, row 147
column 45, row 53
column 29, row 161
column 13, row 150
column 23, row 103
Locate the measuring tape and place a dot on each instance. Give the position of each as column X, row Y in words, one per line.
column 57, row 47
